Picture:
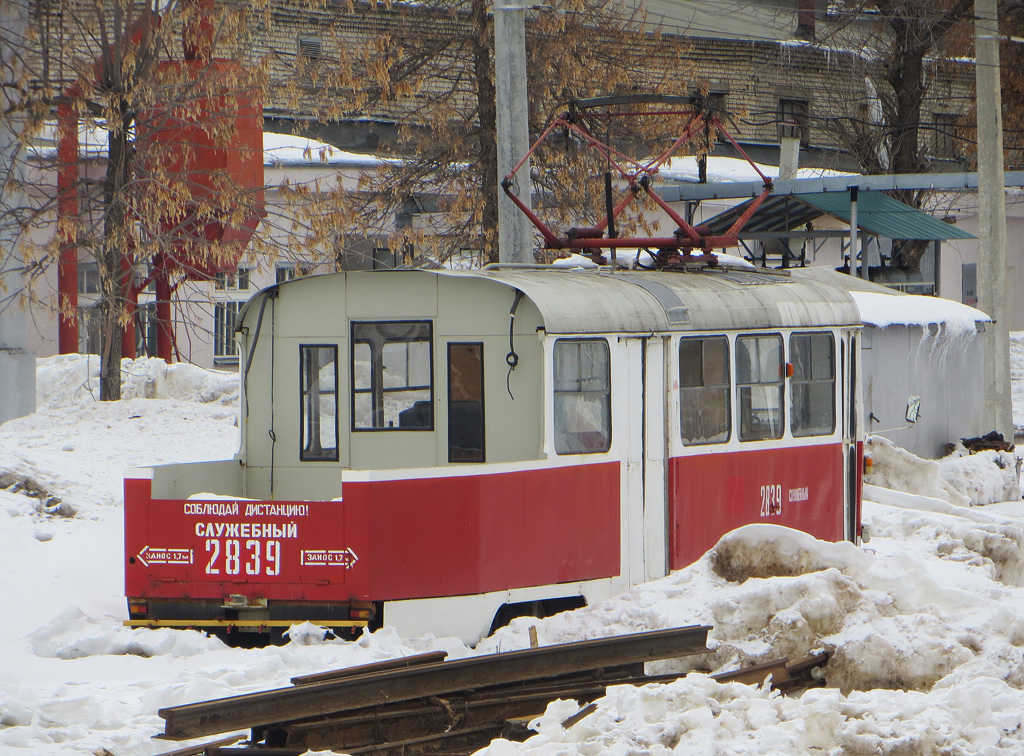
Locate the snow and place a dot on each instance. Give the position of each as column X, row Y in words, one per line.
column 883, row 310
column 925, row 623
column 626, row 256
column 278, row 149
column 285, row 149
column 1017, row 379
column 724, row 169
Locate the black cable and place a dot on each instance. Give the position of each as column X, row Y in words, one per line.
column 512, row 359
column 273, row 355
column 270, row 294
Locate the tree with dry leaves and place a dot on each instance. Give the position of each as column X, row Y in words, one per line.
column 141, row 124
column 429, row 69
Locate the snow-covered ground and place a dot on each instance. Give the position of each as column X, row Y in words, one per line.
column 925, row 622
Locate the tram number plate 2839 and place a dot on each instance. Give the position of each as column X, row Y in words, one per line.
column 771, row 500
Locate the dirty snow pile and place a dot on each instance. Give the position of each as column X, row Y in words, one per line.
column 1017, row 379
column 925, row 623
column 961, row 478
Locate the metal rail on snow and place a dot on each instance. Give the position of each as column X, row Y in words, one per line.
column 461, row 718
column 334, row 693
column 638, row 176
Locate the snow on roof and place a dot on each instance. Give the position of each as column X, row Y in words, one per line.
column 722, row 169
column 285, row 149
column 278, row 149
column 882, row 310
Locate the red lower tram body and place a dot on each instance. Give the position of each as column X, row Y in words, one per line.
column 456, row 533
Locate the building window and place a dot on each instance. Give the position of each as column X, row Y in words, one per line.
column 393, row 369
column 318, row 388
column 290, row 271
column 311, row 51
column 759, row 384
column 89, row 329
column 88, row 278
column 383, row 259
column 148, row 328
column 946, row 144
column 232, row 281
column 224, row 345
column 813, row 386
column 583, row 410
column 704, row 389
column 794, row 121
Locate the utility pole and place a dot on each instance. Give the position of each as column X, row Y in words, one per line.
column 994, row 296
column 17, row 364
column 515, row 233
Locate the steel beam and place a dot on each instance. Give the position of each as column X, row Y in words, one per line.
column 745, row 189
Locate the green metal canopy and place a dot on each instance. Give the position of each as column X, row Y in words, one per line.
column 877, row 213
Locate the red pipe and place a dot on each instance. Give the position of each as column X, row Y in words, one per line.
column 164, row 337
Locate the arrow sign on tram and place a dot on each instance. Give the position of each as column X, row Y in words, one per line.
column 329, row 558
column 155, row 555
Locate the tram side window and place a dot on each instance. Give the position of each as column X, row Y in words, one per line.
column 392, row 381
column 813, row 386
column 759, row 383
column 466, row 429
column 318, row 386
column 704, row 390
column 583, row 410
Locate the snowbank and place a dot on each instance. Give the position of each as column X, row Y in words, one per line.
column 1017, row 379
column 925, row 626
column 71, row 379
column 962, row 478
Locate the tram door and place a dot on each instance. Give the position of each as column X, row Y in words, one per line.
column 851, row 453
column 644, row 415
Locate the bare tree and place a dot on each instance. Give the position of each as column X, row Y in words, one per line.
column 1011, row 56
column 897, row 52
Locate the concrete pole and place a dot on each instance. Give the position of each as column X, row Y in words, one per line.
column 17, row 364
column 789, row 157
column 515, row 232
column 789, row 162
column 995, row 297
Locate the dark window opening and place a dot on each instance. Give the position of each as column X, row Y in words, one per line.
column 465, row 402
column 946, row 143
column 383, row 259
column 311, row 50
column 794, row 122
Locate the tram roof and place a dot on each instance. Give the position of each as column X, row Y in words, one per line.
column 621, row 301
column 605, row 301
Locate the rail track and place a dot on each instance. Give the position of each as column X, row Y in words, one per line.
column 425, row 705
